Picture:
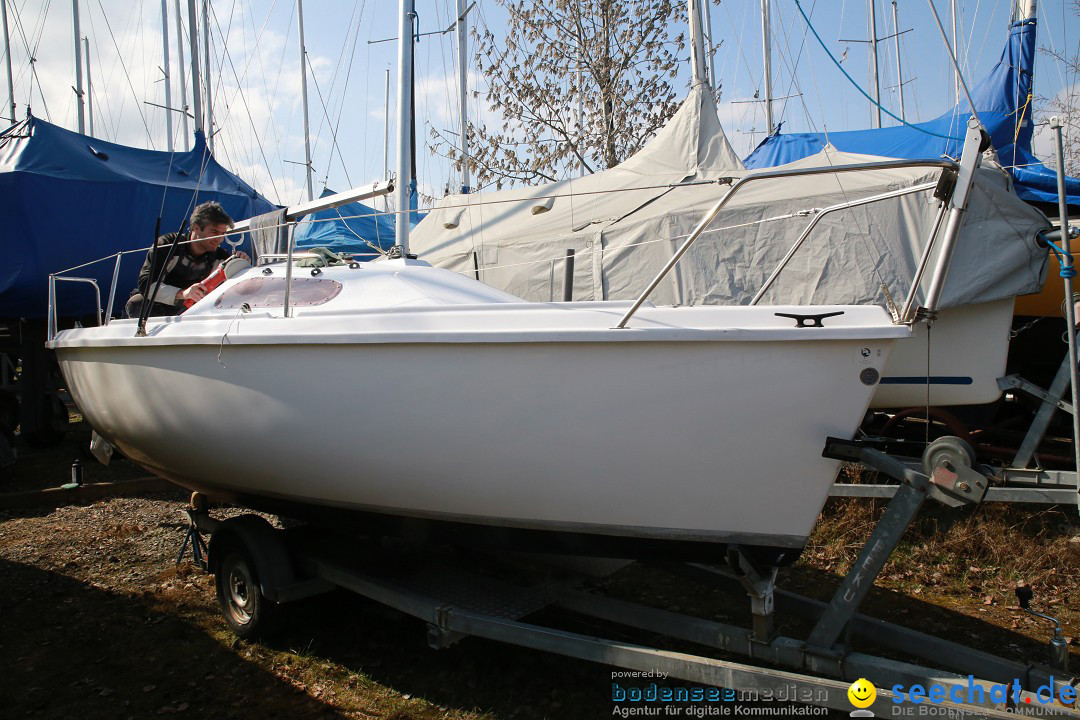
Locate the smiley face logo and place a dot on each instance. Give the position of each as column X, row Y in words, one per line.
column 862, row 693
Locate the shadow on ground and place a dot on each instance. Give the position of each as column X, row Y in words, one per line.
column 73, row 651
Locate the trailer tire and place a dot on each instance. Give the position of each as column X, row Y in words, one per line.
column 249, row 614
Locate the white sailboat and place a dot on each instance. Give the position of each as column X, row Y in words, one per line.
column 410, row 393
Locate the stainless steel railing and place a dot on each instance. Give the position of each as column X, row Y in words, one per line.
column 741, row 183
column 52, row 319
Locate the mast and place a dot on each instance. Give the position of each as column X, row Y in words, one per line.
column 386, row 130
column 1023, row 10
column 183, row 81
column 462, row 50
column 209, row 96
column 7, row 55
column 303, row 96
column 697, row 46
column 766, row 54
column 196, row 96
column 709, row 36
column 875, row 113
column 89, row 85
column 78, row 67
column 165, row 72
column 899, row 69
column 404, row 169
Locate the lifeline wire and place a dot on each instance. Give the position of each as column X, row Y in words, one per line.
column 859, row 87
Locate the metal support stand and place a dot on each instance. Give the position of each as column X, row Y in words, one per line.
column 198, row 545
column 760, row 583
column 950, row 483
column 1052, row 400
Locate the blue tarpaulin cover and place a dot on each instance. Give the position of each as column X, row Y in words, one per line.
column 353, row 229
column 1004, row 104
column 347, row 229
column 68, row 199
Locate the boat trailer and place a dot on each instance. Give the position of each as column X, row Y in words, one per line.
column 1014, row 481
column 258, row 568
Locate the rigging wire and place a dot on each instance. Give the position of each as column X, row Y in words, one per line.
column 858, row 219
column 793, row 69
column 270, row 126
column 325, row 119
column 908, row 63
column 333, row 130
column 123, row 65
column 330, row 92
column 254, row 54
column 243, row 98
column 746, row 62
column 229, row 102
column 453, row 111
column 107, row 118
column 32, row 55
column 344, row 93
column 224, row 130
column 858, row 87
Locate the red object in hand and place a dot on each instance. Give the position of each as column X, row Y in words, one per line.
column 222, row 272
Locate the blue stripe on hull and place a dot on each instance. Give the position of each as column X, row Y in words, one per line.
column 933, row 380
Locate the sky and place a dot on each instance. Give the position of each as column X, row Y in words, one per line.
column 256, row 85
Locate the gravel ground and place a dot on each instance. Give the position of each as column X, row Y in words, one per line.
column 98, row 621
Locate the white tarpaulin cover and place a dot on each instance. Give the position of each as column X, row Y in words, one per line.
column 625, row 223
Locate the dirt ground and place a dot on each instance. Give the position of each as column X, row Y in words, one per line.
column 98, row 621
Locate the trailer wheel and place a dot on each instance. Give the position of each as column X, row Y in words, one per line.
column 249, row 614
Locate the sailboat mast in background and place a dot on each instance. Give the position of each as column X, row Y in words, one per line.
column 697, row 46
column 183, row 82
column 404, row 170
column 166, row 75
column 208, row 96
column 78, row 66
column 462, row 63
column 875, row 77
column 89, row 85
column 193, row 33
column 766, row 54
column 899, row 69
column 303, row 96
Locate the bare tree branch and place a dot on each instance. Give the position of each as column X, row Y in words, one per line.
column 614, row 59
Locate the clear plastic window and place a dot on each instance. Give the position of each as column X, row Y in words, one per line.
column 263, row 292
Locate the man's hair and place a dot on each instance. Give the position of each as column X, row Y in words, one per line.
column 210, row 213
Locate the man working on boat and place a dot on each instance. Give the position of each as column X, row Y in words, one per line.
column 196, row 255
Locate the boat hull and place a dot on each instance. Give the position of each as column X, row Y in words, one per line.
column 968, row 349
column 701, row 442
